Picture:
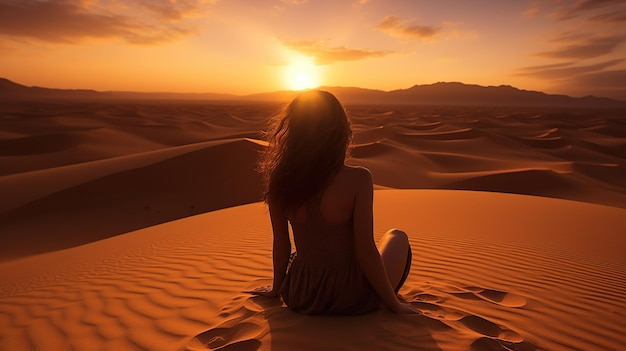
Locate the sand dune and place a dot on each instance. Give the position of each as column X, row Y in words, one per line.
column 526, row 152
column 118, row 231
column 124, row 194
column 43, row 135
column 581, row 152
column 509, row 272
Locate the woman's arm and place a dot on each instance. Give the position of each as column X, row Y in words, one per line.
column 366, row 251
column 281, row 247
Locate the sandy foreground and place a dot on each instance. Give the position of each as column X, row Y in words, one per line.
column 512, row 272
column 121, row 230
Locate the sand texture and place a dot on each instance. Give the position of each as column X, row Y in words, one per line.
column 136, row 226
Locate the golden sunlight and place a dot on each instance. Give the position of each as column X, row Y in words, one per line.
column 302, row 74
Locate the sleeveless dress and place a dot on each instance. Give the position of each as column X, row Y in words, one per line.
column 324, row 276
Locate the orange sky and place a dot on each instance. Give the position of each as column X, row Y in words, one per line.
column 241, row 47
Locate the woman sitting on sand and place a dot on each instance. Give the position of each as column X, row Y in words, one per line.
column 337, row 268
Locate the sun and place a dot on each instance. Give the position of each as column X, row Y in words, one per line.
column 301, row 74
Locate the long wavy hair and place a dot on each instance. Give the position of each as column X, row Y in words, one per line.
column 308, row 144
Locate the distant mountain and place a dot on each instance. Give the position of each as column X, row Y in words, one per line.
column 454, row 93
column 460, row 94
column 9, row 89
column 12, row 90
column 442, row 93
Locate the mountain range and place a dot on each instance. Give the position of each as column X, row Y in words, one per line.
column 441, row 93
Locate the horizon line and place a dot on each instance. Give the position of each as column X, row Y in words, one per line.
column 312, row 88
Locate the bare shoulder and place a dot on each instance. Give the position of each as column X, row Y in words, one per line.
column 357, row 175
column 357, row 171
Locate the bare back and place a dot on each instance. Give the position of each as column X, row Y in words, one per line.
column 338, row 199
column 326, row 260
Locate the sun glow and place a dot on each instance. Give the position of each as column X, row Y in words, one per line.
column 302, row 74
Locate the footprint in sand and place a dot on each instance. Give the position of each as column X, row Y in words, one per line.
column 488, row 344
column 436, row 311
column 497, row 297
column 490, row 329
column 240, row 337
column 241, row 330
column 491, row 336
column 430, row 305
column 494, row 337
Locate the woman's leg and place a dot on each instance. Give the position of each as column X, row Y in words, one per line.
column 395, row 252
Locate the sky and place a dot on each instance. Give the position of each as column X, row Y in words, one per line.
column 575, row 47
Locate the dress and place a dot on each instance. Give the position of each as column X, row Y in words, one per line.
column 324, row 276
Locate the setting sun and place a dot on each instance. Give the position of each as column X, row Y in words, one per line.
column 302, row 74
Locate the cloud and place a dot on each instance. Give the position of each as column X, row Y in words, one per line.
column 565, row 70
column 398, row 27
column 613, row 17
column 595, row 11
column 358, row 3
column 588, row 57
column 583, row 47
column 585, row 7
column 325, row 55
column 601, row 79
column 69, row 21
column 172, row 10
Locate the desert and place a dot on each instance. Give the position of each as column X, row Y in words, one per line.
column 133, row 224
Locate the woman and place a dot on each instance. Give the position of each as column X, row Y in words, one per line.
column 337, row 268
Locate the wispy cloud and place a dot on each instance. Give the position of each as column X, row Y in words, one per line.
column 602, row 79
column 565, row 70
column 585, row 7
column 607, row 11
column 398, row 27
column 612, row 17
column 358, row 3
column 69, row 21
column 172, row 10
column 577, row 46
column 325, row 55
column 588, row 55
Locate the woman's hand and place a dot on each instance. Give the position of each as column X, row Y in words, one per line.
column 266, row 291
